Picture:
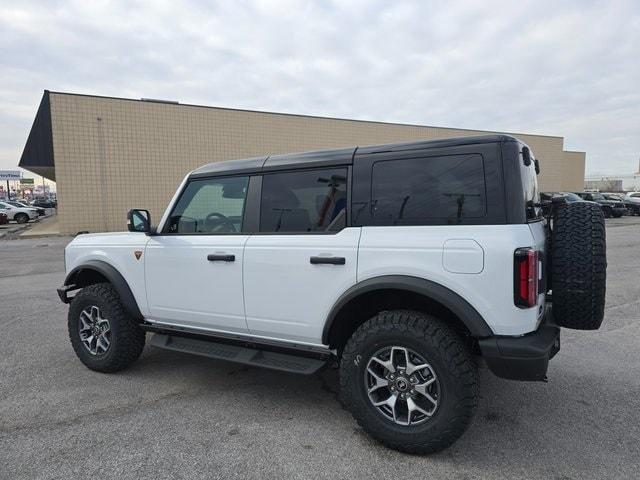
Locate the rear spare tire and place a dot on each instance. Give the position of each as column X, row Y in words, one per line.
column 579, row 265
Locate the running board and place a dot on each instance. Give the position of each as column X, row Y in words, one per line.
column 234, row 353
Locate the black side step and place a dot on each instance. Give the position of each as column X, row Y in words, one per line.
column 235, row 353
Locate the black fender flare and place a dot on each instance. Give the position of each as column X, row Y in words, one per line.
column 114, row 277
column 439, row 293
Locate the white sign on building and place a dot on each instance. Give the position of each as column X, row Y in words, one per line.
column 10, row 174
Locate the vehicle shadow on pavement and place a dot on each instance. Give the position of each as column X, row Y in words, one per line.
column 512, row 420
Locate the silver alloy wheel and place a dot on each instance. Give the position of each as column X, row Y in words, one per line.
column 95, row 331
column 402, row 386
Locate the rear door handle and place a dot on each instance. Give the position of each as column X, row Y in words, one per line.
column 221, row 257
column 329, row 260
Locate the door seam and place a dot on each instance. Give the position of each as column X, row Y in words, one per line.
column 244, row 305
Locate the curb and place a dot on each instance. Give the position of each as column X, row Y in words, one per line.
column 41, row 235
column 14, row 232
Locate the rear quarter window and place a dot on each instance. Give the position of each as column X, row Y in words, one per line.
column 428, row 190
column 530, row 190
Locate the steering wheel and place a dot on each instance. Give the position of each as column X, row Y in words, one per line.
column 216, row 221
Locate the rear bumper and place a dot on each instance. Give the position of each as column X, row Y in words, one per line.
column 522, row 358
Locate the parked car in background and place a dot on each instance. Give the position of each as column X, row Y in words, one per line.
column 15, row 203
column 632, row 202
column 569, row 196
column 546, row 197
column 610, row 208
column 20, row 215
column 23, row 203
column 616, row 197
column 3, row 218
column 43, row 203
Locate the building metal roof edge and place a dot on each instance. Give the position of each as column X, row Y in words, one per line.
column 37, row 155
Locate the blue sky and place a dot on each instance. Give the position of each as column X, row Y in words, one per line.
column 559, row 68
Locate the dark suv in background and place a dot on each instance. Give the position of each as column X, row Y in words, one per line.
column 610, row 208
column 44, row 203
column 547, row 197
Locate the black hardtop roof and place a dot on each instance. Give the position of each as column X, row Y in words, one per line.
column 341, row 156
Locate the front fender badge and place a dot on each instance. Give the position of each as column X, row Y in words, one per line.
column 138, row 254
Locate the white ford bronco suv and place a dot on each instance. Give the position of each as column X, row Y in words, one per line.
column 408, row 265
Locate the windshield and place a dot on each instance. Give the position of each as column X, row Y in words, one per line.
column 598, row 196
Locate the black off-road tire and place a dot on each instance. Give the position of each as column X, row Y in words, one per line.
column 21, row 218
column 127, row 338
column 445, row 352
column 579, row 273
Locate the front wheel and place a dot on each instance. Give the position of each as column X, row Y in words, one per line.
column 21, row 218
column 409, row 381
column 104, row 336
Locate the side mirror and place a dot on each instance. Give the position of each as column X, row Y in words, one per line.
column 537, row 164
column 139, row 220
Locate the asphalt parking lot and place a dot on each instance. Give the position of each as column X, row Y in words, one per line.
column 179, row 416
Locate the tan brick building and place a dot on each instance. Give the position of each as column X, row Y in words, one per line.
column 108, row 155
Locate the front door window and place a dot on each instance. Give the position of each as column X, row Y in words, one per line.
column 210, row 206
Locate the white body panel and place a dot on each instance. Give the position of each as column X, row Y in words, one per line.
column 117, row 249
column 418, row 251
column 272, row 290
column 287, row 297
column 185, row 288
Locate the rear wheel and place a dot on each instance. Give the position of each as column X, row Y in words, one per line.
column 409, row 381
column 104, row 336
column 21, row 218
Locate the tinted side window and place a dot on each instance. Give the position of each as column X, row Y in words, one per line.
column 530, row 186
column 305, row 201
column 210, row 206
column 420, row 190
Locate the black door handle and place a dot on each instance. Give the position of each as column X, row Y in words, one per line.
column 329, row 260
column 221, row 258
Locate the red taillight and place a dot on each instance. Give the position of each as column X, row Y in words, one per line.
column 525, row 277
